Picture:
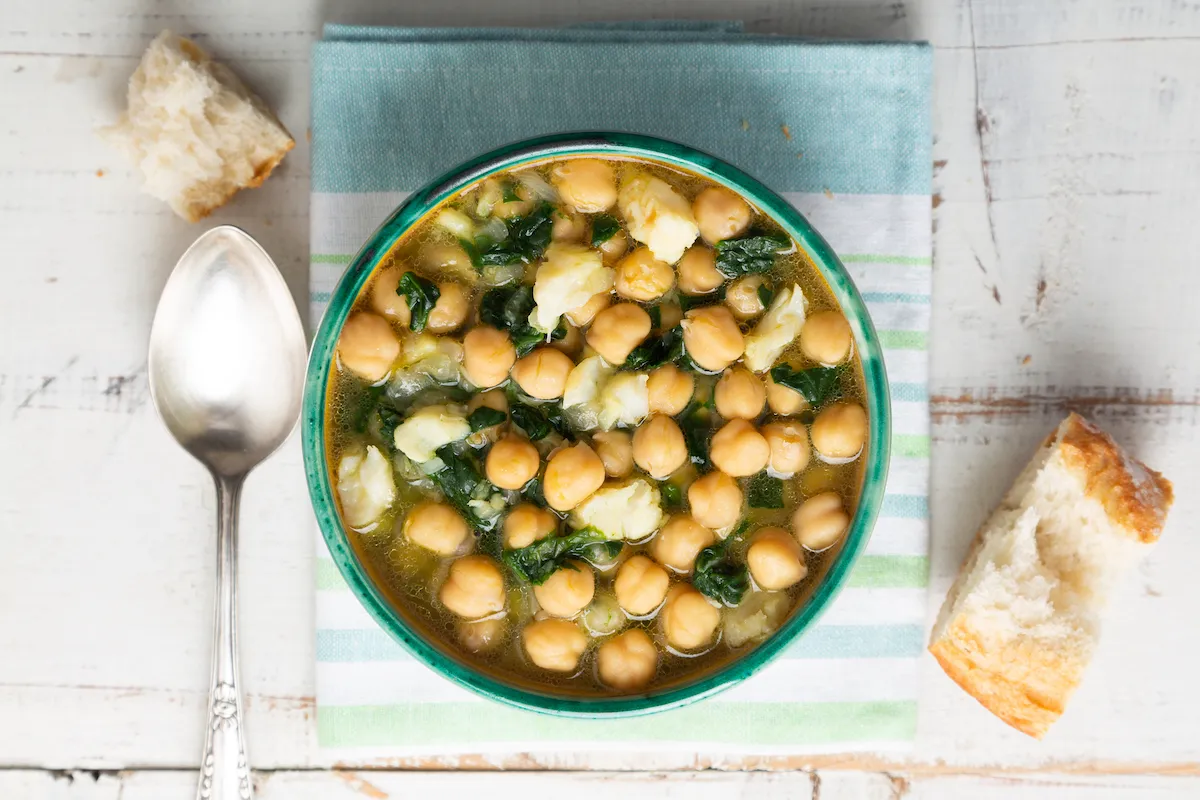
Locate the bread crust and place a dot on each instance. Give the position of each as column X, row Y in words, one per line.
column 261, row 173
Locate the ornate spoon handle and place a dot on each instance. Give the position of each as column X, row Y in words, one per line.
column 224, row 772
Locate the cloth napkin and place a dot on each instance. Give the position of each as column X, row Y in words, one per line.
column 842, row 130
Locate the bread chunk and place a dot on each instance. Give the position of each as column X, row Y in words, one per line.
column 1022, row 620
column 195, row 132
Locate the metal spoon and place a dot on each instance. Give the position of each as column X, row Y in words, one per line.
column 226, row 372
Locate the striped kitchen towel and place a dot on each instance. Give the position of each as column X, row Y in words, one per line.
column 842, row 130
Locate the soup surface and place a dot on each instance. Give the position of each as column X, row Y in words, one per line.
column 596, row 426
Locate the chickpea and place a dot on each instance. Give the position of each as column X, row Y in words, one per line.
column 712, row 337
column 820, row 521
column 586, row 184
column 775, row 560
column 568, row 590
column 474, row 588
column 543, row 373
column 669, row 315
column 628, row 660
column 614, row 247
column 481, row 635
column 615, row 449
column 689, row 620
column 617, row 330
column 368, row 346
column 826, row 338
column 488, row 355
column 437, row 527
column 587, row 312
column 554, row 644
column 715, row 500
column 494, row 399
column 740, row 394
column 720, row 214
column 679, row 542
column 567, row 227
column 641, row 276
column 570, row 345
column 784, row 400
column 512, row 462
column 384, row 299
column 450, row 310
column 742, row 297
column 839, row 431
column 790, row 451
column 641, row 586
column 526, row 524
column 442, row 258
column 572, row 475
column 670, row 389
column 739, row 450
column 658, row 446
column 698, row 271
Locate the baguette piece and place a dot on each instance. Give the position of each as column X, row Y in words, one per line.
column 1022, row 620
column 195, row 132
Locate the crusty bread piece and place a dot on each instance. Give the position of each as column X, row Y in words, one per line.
column 1020, row 624
column 197, row 134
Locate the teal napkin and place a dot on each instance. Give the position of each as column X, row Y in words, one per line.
column 842, row 130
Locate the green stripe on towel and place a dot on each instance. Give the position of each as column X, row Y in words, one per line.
column 890, row 572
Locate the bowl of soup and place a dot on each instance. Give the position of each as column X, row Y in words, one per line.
column 596, row 425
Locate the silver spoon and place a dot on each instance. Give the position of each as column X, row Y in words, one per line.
column 226, row 372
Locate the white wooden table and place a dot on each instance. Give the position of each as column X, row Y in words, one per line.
column 1068, row 156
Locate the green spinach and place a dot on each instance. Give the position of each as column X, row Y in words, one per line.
column 538, row 561
column 672, row 495
column 765, row 295
column 717, row 575
column 484, row 417
column 817, row 384
column 538, row 421
column 749, row 255
column 763, row 491
column 421, row 295
column 462, row 481
column 656, row 350
column 527, row 239
column 508, row 192
column 508, row 309
column 604, row 227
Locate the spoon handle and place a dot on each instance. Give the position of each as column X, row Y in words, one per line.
column 224, row 772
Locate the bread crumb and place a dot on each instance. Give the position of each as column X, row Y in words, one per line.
column 787, row 132
column 99, row 173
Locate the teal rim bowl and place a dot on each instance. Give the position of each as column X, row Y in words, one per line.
column 620, row 145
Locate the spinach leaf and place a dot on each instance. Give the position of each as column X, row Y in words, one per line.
column 697, row 425
column 508, row 191
column 389, row 420
column 484, row 417
column 366, row 398
column 527, row 239
column 538, row 561
column 604, row 227
column 507, row 309
column 688, row 301
column 749, row 255
column 655, row 317
column 421, row 295
column 717, row 575
column 533, row 492
column 765, row 295
column 763, row 491
column 672, row 495
column 538, row 421
column 462, row 481
column 656, row 350
column 817, row 384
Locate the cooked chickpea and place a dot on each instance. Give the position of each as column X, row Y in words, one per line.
column 826, row 338
column 641, row 586
column 385, row 300
column 543, row 373
column 587, row 312
column 628, row 660
column 617, row 330
column 615, row 449
column 669, row 315
column 481, row 635
column 641, row 276
column 698, row 271
column 488, row 355
column 586, row 184
column 494, row 399
column 820, row 521
column 784, row 400
column 474, row 588
column 742, row 297
column 572, row 475
column 450, row 310
column 720, row 213
column 659, row 447
column 790, row 452
column 775, row 560
column 614, row 247
column 839, row 431
column 715, row 500
column 527, row 523
column 679, row 542
column 740, row 394
column 670, row 389
column 571, row 344
column 712, row 337
column 446, row 258
column 567, row 227
column 689, row 620
column 368, row 346
column 568, row 590
column 436, row 527
column 554, row 644
column 512, row 462
column 739, row 450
